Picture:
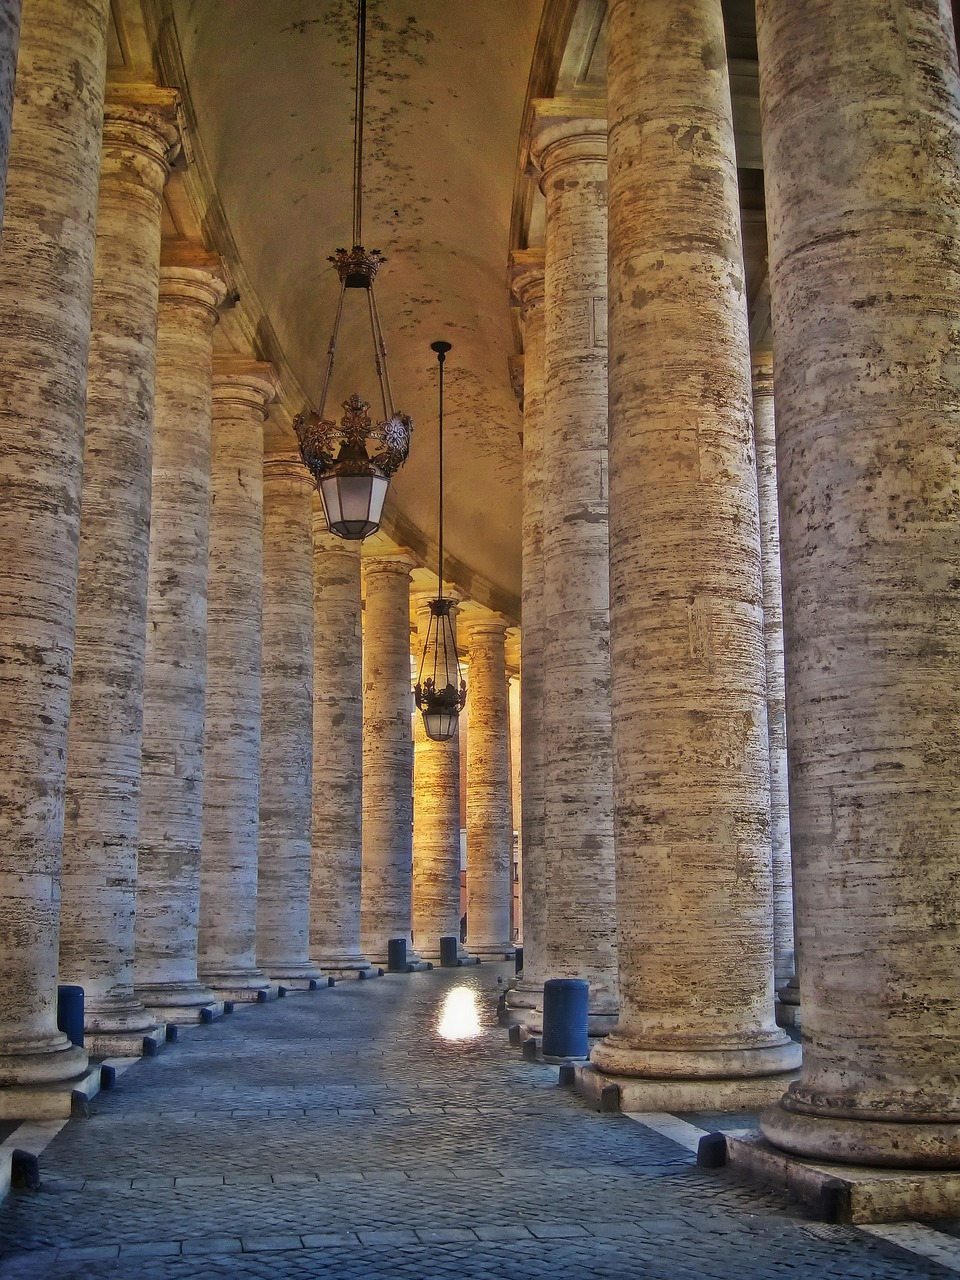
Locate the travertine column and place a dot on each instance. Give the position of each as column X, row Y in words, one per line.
column 766, row 444
column 516, row 808
column 570, row 148
column 106, row 707
column 489, row 825
column 46, row 280
column 9, row 42
column 227, row 939
column 387, row 755
column 436, row 822
column 171, row 806
column 694, row 882
column 286, row 752
column 337, row 752
column 527, row 283
column 868, row 429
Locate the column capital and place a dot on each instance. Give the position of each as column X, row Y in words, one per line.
column 567, row 131
column 494, row 625
column 526, row 278
column 287, row 467
column 243, row 388
column 421, row 600
column 192, row 277
column 761, row 365
column 144, row 118
column 399, row 562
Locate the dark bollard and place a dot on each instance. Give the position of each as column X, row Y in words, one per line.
column 24, row 1170
column 518, row 960
column 565, row 1018
column 70, row 1013
column 108, row 1077
column 397, row 955
column 448, row 953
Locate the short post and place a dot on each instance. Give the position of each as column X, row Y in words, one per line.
column 448, row 953
column 565, row 1004
column 70, row 1013
column 397, row 955
column 518, row 960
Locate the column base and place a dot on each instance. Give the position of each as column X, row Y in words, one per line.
column 522, row 996
column 622, row 1056
column 884, row 1142
column 242, row 986
column 47, row 1060
column 297, row 977
column 498, row 952
column 126, row 1044
column 844, row 1192
column 117, row 1027
column 55, row 1100
column 626, row 1093
column 348, row 964
column 184, row 1003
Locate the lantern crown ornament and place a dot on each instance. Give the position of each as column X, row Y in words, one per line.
column 352, row 461
column 440, row 691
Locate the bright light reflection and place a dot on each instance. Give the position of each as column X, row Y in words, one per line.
column 459, row 1015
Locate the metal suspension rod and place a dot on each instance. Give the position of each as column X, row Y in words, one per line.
column 441, row 348
column 331, row 353
column 358, row 122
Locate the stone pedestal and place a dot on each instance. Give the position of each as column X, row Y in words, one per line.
column 227, row 938
column 286, row 752
column 489, row 821
column 436, row 823
column 106, row 707
column 868, row 415
column 570, row 147
column 694, row 885
column 9, row 42
column 386, row 897
column 526, row 995
column 46, row 281
column 784, row 966
column 337, row 752
column 171, row 807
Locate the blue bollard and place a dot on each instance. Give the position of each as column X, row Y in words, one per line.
column 565, row 1003
column 518, row 960
column 397, row 955
column 448, row 953
column 70, row 1013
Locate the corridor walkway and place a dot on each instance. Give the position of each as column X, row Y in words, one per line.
column 336, row 1134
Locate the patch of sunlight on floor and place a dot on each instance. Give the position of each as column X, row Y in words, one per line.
column 459, row 1015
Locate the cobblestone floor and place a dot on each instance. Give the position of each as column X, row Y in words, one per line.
column 336, row 1135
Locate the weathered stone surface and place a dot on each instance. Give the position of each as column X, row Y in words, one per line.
column 489, row 820
column 171, row 808
column 766, row 446
column 387, row 755
column 99, row 884
column 9, row 43
column 227, row 937
column 868, row 407
column 516, row 804
column 46, row 281
column 527, row 285
column 694, row 883
column 436, row 823
column 337, row 751
column 570, row 148
column 286, row 749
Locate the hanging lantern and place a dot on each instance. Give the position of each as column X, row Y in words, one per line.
column 352, row 462
column 440, row 692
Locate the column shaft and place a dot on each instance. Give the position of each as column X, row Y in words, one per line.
column 337, row 752
column 489, row 823
column 171, row 807
column 868, row 428
column 286, row 753
column 9, row 43
column 694, row 882
column 46, row 281
column 227, row 937
column 99, row 888
column 386, row 904
column 570, row 148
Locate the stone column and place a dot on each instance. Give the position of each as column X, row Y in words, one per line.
column 766, row 443
column 227, row 937
column 286, row 753
column 868, row 408
column 527, row 285
column 436, row 823
column 516, row 904
column 9, row 42
column 570, row 148
column 489, row 819
column 337, row 752
column 46, row 281
column 106, row 708
column 689, row 694
column 171, row 806
column 386, row 897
